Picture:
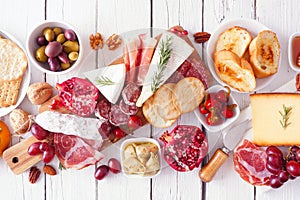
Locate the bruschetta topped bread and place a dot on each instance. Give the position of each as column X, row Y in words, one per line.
column 264, row 53
column 235, row 39
column 234, row 71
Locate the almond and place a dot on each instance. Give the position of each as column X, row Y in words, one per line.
column 48, row 169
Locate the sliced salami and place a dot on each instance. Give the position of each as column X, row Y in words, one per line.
column 117, row 117
column 250, row 163
column 131, row 93
column 105, row 128
column 102, row 109
column 127, row 109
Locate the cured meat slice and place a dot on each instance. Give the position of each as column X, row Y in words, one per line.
column 106, row 128
column 75, row 152
column 127, row 109
column 102, row 109
column 250, row 164
column 131, row 93
column 117, row 117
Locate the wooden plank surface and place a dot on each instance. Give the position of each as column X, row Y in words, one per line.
column 114, row 16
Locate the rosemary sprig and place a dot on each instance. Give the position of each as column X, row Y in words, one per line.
column 60, row 166
column 285, row 116
column 103, row 80
column 164, row 56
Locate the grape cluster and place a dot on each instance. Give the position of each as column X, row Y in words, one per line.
column 282, row 168
column 40, row 147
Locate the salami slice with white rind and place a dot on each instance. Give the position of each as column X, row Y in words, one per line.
column 128, row 109
column 250, row 164
column 117, row 117
column 131, row 93
column 102, row 109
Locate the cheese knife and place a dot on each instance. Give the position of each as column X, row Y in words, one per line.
column 231, row 139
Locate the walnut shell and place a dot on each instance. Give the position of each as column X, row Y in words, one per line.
column 19, row 121
column 39, row 92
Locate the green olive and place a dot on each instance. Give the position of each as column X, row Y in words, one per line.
column 49, row 35
column 61, row 38
column 73, row 56
column 57, row 30
column 40, row 54
column 45, row 30
column 65, row 66
column 70, row 46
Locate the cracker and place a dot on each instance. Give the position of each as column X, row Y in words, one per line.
column 9, row 91
column 188, row 94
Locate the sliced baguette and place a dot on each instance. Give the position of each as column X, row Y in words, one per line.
column 235, row 39
column 264, row 53
column 235, row 71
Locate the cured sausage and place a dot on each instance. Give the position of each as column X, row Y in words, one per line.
column 117, row 117
column 131, row 93
column 75, row 152
column 250, row 164
column 127, row 109
column 102, row 109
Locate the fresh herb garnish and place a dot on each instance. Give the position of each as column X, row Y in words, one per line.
column 103, row 80
column 164, row 56
column 285, row 116
column 60, row 166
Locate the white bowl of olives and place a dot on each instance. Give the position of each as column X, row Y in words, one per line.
column 54, row 47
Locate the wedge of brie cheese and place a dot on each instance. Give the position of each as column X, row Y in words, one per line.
column 109, row 80
column 181, row 50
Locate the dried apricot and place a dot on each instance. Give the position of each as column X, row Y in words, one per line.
column 4, row 137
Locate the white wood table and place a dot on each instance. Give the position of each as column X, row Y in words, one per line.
column 113, row 16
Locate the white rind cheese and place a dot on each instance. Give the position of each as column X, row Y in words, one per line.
column 181, row 50
column 267, row 129
column 115, row 73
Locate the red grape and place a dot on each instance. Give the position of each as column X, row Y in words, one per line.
column 48, row 155
column 38, row 132
column 297, row 155
column 275, row 182
column 114, row 165
column 44, row 146
column 283, row 176
column 293, row 168
column 272, row 169
column 293, row 149
column 101, row 172
column 34, row 149
column 272, row 150
column 275, row 161
column 119, row 133
column 135, row 122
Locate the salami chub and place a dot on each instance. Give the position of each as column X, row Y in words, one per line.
column 131, row 93
column 128, row 109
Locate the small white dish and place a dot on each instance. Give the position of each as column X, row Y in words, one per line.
column 292, row 58
column 254, row 27
column 32, row 46
column 139, row 140
column 228, row 121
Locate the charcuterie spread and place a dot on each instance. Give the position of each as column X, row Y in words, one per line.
column 155, row 80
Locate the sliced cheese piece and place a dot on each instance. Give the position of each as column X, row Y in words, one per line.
column 181, row 50
column 267, row 129
column 115, row 73
column 56, row 122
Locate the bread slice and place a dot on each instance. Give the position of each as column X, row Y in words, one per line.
column 264, row 53
column 235, row 39
column 235, row 71
column 188, row 93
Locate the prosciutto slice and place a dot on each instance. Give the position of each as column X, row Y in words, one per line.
column 75, row 152
column 250, row 164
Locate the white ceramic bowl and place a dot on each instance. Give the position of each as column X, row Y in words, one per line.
column 139, row 140
column 292, row 61
column 227, row 122
column 254, row 27
column 32, row 46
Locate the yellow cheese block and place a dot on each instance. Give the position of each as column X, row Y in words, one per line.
column 267, row 129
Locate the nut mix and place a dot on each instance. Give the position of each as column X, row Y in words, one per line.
column 55, row 47
column 201, row 37
column 39, row 92
column 113, row 42
column 34, row 174
column 19, row 120
column 96, row 41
